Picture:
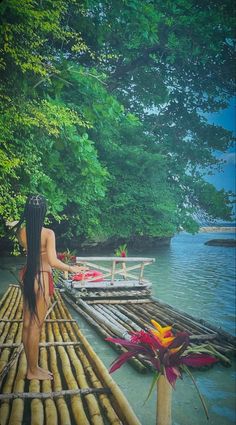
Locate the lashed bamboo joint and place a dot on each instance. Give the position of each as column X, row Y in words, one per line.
column 82, row 391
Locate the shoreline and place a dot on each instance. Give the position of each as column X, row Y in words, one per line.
column 217, row 229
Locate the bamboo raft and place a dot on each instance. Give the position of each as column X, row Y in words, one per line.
column 82, row 391
column 114, row 312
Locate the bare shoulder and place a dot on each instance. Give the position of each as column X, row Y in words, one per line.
column 48, row 233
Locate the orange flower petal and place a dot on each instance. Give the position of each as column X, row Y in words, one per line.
column 161, row 329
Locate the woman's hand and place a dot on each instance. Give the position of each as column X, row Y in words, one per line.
column 77, row 269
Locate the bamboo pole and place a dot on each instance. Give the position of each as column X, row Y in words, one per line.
column 79, row 414
column 164, row 397
column 118, row 330
column 14, row 357
column 116, row 302
column 6, row 309
column 36, row 406
column 177, row 315
column 121, row 401
column 110, row 316
column 4, row 298
column 17, row 409
column 113, row 271
column 104, row 376
column 47, row 320
column 183, row 324
column 125, row 318
column 10, row 336
column 131, row 314
column 91, row 401
column 63, row 412
column 51, row 416
column 49, row 395
column 41, row 344
column 141, row 273
column 105, row 334
column 114, row 316
column 7, row 388
column 10, row 372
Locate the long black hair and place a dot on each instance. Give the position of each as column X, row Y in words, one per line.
column 33, row 216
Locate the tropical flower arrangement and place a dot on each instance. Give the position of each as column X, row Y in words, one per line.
column 169, row 354
column 121, row 251
column 66, row 256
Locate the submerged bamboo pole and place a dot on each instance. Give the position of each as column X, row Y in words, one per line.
column 117, row 302
column 116, row 329
column 127, row 310
column 105, row 332
column 125, row 318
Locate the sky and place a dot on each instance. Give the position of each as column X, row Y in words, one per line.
column 227, row 119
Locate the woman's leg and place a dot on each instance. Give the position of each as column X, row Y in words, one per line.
column 32, row 326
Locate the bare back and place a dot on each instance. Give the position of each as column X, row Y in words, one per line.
column 45, row 235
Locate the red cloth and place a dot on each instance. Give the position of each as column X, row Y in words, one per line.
column 89, row 274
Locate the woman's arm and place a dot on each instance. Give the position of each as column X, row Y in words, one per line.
column 52, row 256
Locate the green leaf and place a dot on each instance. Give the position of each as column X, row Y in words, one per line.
column 153, row 383
column 185, row 368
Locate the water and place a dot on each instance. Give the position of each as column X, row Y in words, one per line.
column 199, row 280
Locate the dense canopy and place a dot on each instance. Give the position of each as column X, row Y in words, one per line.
column 103, row 111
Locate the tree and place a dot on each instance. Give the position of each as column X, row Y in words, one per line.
column 103, row 111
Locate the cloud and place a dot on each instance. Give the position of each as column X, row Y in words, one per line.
column 230, row 157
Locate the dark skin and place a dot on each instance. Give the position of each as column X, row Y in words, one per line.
column 32, row 325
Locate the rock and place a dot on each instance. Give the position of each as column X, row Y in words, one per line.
column 221, row 242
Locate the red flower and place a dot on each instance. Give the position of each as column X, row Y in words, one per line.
column 143, row 337
column 166, row 358
column 61, row 256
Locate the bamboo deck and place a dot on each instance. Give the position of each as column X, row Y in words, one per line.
column 82, row 391
column 117, row 313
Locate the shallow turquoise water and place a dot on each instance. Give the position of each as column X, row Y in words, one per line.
column 200, row 280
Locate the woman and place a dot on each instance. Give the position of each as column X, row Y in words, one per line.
column 37, row 279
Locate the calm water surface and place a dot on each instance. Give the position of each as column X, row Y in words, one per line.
column 199, row 280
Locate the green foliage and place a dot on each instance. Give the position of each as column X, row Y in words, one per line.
column 102, row 111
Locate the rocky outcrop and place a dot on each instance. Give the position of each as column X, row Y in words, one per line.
column 222, row 242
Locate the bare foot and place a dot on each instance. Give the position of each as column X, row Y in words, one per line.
column 45, row 371
column 39, row 373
